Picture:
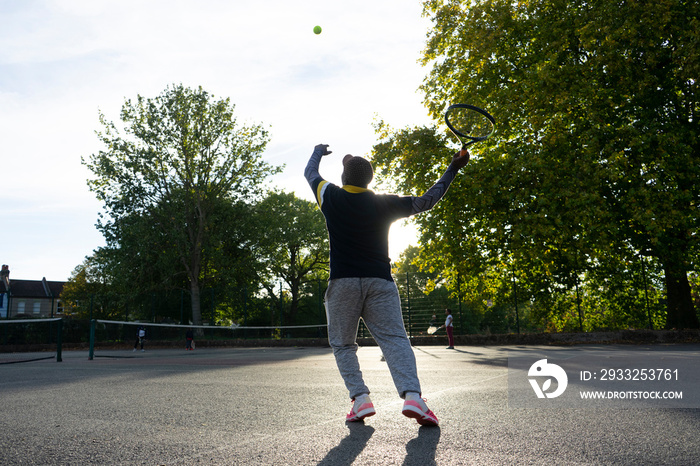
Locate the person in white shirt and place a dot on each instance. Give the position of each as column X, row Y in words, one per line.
column 140, row 338
column 448, row 327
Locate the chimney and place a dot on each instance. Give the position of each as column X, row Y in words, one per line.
column 5, row 275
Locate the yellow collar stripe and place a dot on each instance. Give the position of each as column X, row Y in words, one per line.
column 354, row 189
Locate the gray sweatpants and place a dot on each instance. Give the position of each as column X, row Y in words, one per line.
column 377, row 302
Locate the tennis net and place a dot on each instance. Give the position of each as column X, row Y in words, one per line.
column 25, row 340
column 116, row 335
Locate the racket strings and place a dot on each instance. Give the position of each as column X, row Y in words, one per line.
column 470, row 123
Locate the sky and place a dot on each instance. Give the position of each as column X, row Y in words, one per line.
column 62, row 62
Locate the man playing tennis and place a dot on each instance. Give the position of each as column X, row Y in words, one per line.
column 361, row 285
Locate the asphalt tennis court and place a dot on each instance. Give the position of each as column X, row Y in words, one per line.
column 277, row 406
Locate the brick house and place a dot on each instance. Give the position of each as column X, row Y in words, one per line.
column 29, row 298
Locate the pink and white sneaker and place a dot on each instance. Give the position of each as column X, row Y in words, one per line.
column 417, row 409
column 362, row 407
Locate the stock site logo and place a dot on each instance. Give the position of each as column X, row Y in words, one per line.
column 542, row 368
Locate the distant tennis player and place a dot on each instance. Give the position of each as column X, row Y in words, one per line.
column 140, row 338
column 361, row 285
column 449, row 328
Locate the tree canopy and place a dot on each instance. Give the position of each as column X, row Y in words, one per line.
column 594, row 166
column 164, row 176
column 293, row 244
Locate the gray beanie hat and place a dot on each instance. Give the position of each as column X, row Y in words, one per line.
column 356, row 171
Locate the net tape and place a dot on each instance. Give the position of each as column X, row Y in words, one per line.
column 209, row 327
column 29, row 321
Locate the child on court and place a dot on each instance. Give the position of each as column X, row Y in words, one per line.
column 361, row 285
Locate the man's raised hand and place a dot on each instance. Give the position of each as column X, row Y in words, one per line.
column 323, row 149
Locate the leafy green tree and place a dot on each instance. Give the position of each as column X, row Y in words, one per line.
column 293, row 244
column 144, row 259
column 89, row 291
column 162, row 182
column 452, row 243
column 596, row 149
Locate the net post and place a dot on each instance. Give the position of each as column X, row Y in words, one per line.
column 91, row 353
column 59, row 341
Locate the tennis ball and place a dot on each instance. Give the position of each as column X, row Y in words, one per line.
column 317, row 29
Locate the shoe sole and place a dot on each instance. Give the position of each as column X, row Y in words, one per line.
column 367, row 412
column 416, row 413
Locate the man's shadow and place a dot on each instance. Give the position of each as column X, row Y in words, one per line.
column 421, row 450
column 350, row 447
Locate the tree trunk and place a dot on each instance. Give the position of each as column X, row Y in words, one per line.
column 196, row 304
column 294, row 306
column 195, row 254
column 679, row 302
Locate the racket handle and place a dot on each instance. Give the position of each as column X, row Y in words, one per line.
column 459, row 160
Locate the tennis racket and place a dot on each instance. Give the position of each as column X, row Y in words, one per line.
column 432, row 330
column 469, row 124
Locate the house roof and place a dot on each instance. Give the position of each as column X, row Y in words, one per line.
column 33, row 288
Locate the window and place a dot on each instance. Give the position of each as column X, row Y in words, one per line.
column 37, row 307
column 20, row 307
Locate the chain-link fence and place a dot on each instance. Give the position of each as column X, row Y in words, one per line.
column 424, row 299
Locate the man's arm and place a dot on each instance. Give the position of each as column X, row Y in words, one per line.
column 431, row 197
column 313, row 177
column 311, row 171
